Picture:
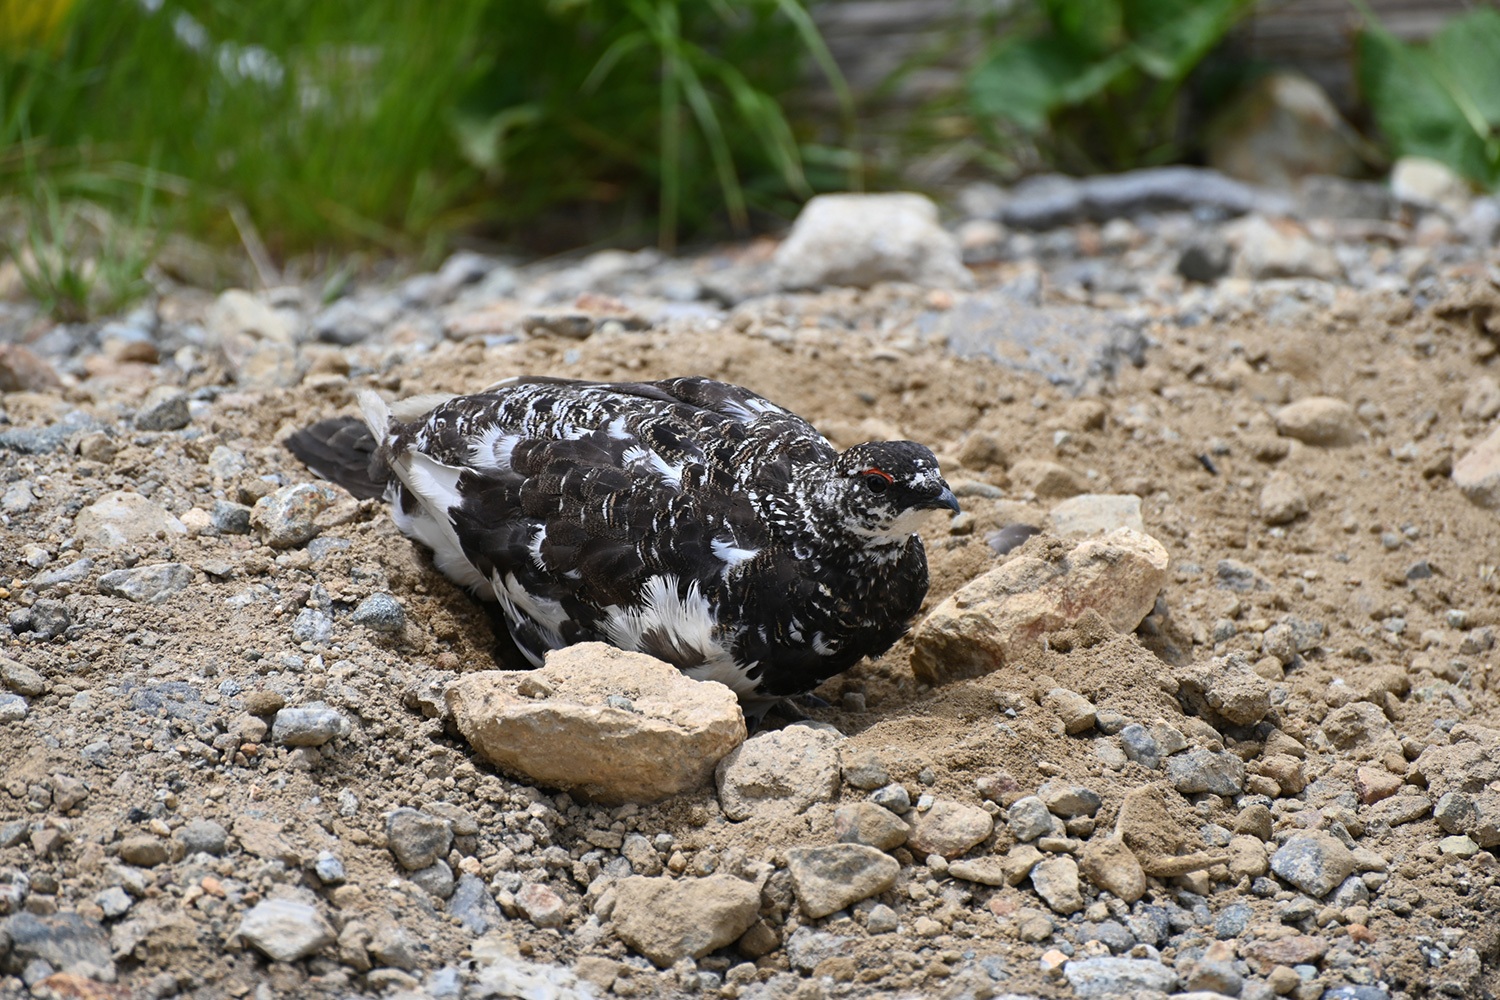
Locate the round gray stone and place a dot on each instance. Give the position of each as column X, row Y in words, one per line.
column 308, row 726
column 380, row 613
column 202, row 836
column 416, row 839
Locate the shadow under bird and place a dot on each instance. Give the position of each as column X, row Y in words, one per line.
column 689, row 519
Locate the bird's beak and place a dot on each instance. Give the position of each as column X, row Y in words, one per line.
column 943, row 499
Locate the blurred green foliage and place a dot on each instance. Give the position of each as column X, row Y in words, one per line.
column 1097, row 83
column 79, row 260
column 588, row 98
column 1440, row 99
column 342, row 124
column 338, row 123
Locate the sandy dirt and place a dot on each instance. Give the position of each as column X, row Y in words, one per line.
column 1190, row 432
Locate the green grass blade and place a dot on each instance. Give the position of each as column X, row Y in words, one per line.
column 713, row 134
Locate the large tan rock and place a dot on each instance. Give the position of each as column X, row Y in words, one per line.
column 860, row 240
column 1477, row 473
column 784, row 770
column 669, row 919
column 257, row 341
column 123, row 518
column 1321, row 421
column 1008, row 610
column 1110, row 865
column 555, row 726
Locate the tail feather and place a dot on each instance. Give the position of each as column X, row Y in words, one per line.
column 343, row 451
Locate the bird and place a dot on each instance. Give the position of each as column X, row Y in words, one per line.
column 689, row 519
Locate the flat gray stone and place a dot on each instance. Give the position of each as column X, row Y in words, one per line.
column 1317, row 863
column 380, row 613
column 436, row 879
column 285, row 930
column 165, row 409
column 289, row 516
column 230, row 518
column 1029, row 818
column 308, row 726
column 417, row 839
column 73, row 572
column 1118, row 977
column 1071, row 346
column 473, row 906
column 312, row 625
column 147, row 584
column 1203, row 770
column 830, row 878
column 69, row 942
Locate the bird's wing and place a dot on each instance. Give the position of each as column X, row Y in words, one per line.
column 570, row 500
column 699, row 398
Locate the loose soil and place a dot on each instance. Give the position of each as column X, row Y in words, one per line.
column 1190, row 432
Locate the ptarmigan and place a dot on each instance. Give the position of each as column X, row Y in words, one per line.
column 689, row 519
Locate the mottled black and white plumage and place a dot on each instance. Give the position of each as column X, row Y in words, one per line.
column 689, row 519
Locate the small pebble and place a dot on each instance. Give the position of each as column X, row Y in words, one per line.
column 380, row 613
column 894, row 797
column 308, row 726
column 328, row 868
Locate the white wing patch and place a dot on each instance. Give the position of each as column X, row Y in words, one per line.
column 492, row 449
column 671, row 473
column 734, row 408
column 728, row 673
column 447, row 554
column 376, row 415
column 435, row 486
column 684, row 619
column 543, row 612
column 644, row 456
column 535, row 546
column 434, row 483
column 730, row 554
column 748, row 410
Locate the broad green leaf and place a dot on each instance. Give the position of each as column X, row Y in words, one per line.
column 1025, row 80
column 1170, row 37
column 1467, row 51
column 1417, row 113
column 1094, row 26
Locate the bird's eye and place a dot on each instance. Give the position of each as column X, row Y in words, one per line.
column 876, row 481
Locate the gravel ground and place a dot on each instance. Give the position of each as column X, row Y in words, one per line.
column 229, row 768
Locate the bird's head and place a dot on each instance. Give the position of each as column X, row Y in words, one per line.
column 885, row 486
